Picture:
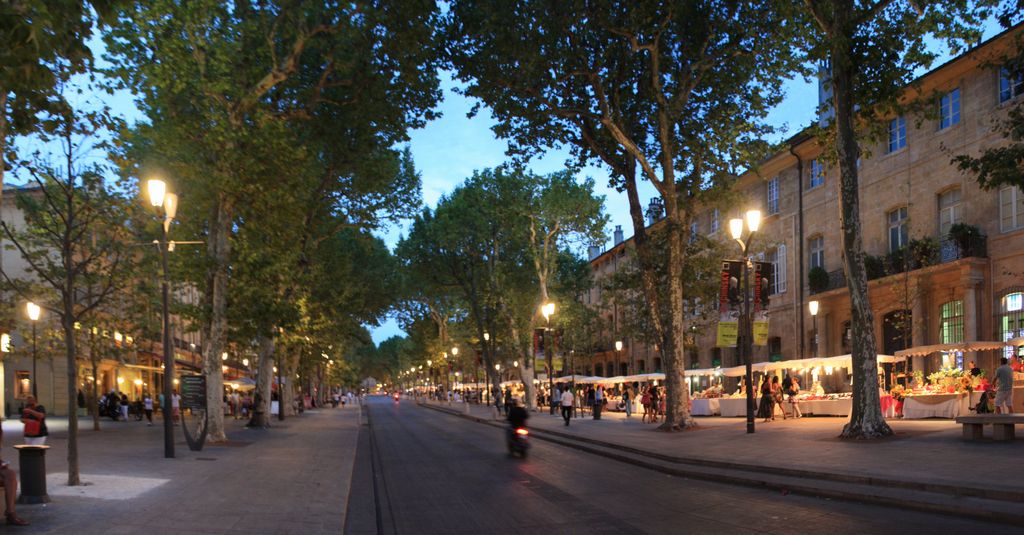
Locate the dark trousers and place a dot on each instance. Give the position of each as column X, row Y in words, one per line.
column 566, row 414
column 597, row 410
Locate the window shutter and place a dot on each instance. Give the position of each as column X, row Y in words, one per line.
column 780, row 270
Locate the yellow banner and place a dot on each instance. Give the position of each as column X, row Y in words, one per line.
column 727, row 333
column 760, row 333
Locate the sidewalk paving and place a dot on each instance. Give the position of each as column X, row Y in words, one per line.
column 923, row 451
column 292, row 478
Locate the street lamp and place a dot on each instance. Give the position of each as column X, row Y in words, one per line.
column 753, row 222
column 812, row 307
column 33, row 312
column 548, row 310
column 167, row 204
column 618, row 352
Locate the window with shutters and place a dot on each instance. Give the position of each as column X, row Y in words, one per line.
column 817, row 174
column 949, row 109
column 817, row 248
column 1011, row 209
column 951, row 326
column 950, row 210
column 898, row 229
column 773, row 196
column 777, row 257
column 1011, row 86
column 897, row 133
column 714, row 221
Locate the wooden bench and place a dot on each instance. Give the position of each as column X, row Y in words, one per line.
column 1002, row 425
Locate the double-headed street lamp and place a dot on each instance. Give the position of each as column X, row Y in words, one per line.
column 167, row 204
column 33, row 312
column 753, row 222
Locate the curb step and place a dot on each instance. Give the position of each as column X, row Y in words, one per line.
column 942, row 499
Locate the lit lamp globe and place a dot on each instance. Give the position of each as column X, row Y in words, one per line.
column 618, row 345
column 455, row 351
column 812, row 306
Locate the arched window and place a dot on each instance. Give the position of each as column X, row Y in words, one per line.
column 951, row 324
column 1011, row 318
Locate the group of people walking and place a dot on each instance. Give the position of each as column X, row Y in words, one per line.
column 773, row 393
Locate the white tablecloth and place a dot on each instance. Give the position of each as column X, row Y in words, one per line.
column 733, row 407
column 935, row 406
column 825, row 407
column 705, row 407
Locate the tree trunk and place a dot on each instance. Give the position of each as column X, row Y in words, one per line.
column 866, row 419
column 70, row 350
column 526, row 370
column 291, row 364
column 94, row 408
column 220, row 251
column 265, row 369
column 677, row 405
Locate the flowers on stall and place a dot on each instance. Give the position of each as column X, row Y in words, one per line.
column 898, row 392
column 965, row 385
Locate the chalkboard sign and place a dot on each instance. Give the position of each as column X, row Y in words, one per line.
column 193, row 392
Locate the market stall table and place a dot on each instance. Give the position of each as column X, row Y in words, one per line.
column 706, row 407
column 825, row 407
column 935, row 406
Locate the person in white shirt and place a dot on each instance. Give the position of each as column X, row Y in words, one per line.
column 567, row 401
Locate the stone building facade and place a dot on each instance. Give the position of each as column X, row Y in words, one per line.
column 928, row 286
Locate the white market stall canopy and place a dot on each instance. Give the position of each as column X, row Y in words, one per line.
column 243, row 383
column 1016, row 342
column 947, row 348
column 841, row 361
column 586, row 379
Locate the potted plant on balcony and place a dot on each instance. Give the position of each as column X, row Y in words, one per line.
column 923, row 252
column 966, row 237
column 817, row 279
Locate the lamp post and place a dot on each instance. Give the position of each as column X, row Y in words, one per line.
column 548, row 310
column 753, row 222
column 33, row 312
column 448, row 373
column 812, row 307
column 167, row 204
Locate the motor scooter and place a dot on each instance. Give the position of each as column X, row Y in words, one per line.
column 518, row 441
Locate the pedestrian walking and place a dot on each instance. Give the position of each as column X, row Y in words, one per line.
column 645, row 403
column 1004, row 387
column 767, row 404
column 627, row 399
column 655, row 404
column 124, row 406
column 175, row 405
column 598, row 401
column 567, row 401
column 777, row 397
column 792, row 391
column 147, row 405
column 34, row 418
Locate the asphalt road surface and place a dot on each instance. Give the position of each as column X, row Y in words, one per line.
column 421, row 471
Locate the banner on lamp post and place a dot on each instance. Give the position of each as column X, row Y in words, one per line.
column 764, row 275
column 730, row 300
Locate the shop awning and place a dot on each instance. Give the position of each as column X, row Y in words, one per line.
column 947, row 348
column 1016, row 342
column 586, row 379
column 840, row 361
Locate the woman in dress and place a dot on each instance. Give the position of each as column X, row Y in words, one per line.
column 777, row 397
column 645, row 402
column 764, row 409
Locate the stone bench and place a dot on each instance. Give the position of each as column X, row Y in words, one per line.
column 1002, row 425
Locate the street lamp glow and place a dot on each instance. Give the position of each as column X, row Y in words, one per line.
column 224, row 356
column 515, row 363
column 618, row 345
column 497, row 367
column 753, row 220
column 736, row 228
column 455, row 351
column 170, row 205
column 157, row 189
column 245, row 362
column 429, row 362
column 487, row 336
column 813, row 307
column 32, row 310
column 548, row 310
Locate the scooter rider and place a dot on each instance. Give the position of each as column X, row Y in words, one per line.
column 517, row 415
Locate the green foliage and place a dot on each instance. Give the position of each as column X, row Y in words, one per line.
column 817, row 279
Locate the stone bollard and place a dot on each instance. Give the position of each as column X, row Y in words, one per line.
column 32, row 470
